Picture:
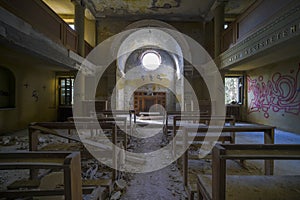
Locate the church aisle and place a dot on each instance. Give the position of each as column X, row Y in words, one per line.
column 163, row 184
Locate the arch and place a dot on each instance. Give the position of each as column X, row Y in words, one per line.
column 170, row 34
column 145, row 37
column 7, row 88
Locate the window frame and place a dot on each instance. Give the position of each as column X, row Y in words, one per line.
column 241, row 86
column 68, row 98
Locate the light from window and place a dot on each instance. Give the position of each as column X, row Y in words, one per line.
column 66, row 91
column 233, row 90
column 72, row 26
column 151, row 60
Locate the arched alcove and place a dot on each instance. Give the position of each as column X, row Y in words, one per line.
column 151, row 84
column 7, row 88
column 159, row 38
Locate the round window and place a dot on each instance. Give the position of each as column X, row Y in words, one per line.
column 151, row 60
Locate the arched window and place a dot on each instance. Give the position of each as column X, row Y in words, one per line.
column 7, row 88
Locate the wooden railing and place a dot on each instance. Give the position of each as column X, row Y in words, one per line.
column 43, row 19
column 87, row 48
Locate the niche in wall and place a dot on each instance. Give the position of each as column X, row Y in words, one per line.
column 7, row 88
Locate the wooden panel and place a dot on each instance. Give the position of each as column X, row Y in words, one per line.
column 228, row 37
column 143, row 101
column 71, row 39
column 234, row 110
column 36, row 13
column 88, row 48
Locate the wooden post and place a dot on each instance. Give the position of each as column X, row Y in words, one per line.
column 232, row 134
column 72, row 177
column 114, row 153
column 33, row 146
column 218, row 173
column 269, row 139
column 185, row 158
column 174, row 134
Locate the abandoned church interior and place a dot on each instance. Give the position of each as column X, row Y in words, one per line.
column 150, row 99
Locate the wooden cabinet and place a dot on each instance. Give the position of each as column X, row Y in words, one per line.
column 144, row 100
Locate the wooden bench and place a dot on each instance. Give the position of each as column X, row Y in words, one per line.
column 98, row 148
column 49, row 128
column 69, row 162
column 198, row 121
column 220, row 186
column 121, row 123
column 109, row 113
column 169, row 114
column 191, row 135
column 118, row 113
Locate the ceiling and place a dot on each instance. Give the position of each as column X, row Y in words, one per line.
column 168, row 10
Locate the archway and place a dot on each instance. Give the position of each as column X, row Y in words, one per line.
column 153, row 38
column 7, row 88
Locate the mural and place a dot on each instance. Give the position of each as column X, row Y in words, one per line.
column 280, row 93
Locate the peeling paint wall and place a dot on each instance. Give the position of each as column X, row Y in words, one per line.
column 109, row 27
column 139, row 79
column 274, row 95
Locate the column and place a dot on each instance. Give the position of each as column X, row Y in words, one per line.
column 79, row 25
column 218, row 26
column 203, row 34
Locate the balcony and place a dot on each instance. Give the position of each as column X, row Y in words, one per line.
column 263, row 44
column 45, row 21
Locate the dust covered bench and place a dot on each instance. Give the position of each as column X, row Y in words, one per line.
column 68, row 162
column 195, row 123
column 192, row 135
column 220, row 186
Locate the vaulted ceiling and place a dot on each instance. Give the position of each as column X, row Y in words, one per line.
column 168, row 10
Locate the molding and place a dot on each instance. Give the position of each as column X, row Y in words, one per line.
column 281, row 29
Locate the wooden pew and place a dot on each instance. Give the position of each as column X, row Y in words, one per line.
column 118, row 113
column 121, row 123
column 168, row 127
column 189, row 133
column 69, row 162
column 200, row 121
column 220, row 186
column 49, row 128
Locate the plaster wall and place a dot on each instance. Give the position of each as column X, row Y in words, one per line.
column 30, row 80
column 109, row 27
column 137, row 78
column 90, row 31
column 260, row 14
column 274, row 95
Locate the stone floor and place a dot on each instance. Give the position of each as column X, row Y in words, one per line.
column 163, row 184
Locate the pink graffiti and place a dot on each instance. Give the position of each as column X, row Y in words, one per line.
column 280, row 93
